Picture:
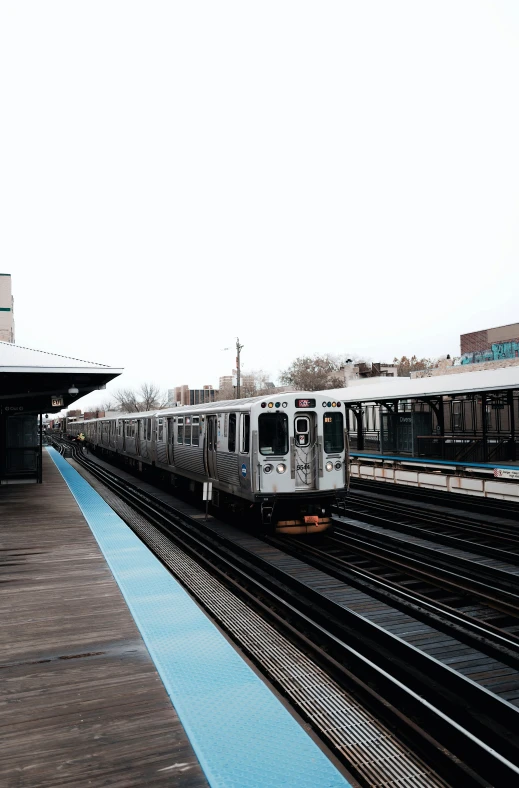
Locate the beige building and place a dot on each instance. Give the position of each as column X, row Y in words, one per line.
column 354, row 373
column 248, row 385
column 6, row 309
column 227, row 381
column 183, row 395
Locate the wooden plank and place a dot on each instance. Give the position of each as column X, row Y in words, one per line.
column 80, row 700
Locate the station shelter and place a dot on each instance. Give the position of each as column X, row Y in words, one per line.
column 462, row 417
column 32, row 383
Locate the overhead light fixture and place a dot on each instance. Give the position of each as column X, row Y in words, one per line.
column 73, row 390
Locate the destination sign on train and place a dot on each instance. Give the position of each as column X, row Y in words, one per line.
column 305, row 403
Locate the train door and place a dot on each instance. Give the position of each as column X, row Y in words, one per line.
column 138, row 437
column 305, row 451
column 171, row 441
column 211, row 443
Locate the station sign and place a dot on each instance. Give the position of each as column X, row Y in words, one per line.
column 506, row 473
column 57, row 402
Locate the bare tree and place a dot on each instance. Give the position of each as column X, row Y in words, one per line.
column 407, row 365
column 314, row 373
column 151, row 397
column 255, row 383
column 252, row 384
column 95, row 411
column 225, row 393
column 147, row 397
column 126, row 400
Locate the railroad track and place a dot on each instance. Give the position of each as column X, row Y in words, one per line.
column 427, row 580
column 468, row 732
column 499, row 538
column 476, row 633
column 468, row 503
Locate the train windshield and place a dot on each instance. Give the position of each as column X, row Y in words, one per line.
column 333, row 432
column 273, row 433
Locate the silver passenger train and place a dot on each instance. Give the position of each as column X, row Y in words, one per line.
column 284, row 459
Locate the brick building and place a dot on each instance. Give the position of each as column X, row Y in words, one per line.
column 481, row 341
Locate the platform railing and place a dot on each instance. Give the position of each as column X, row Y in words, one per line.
column 469, row 449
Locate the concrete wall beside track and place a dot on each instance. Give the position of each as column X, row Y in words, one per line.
column 448, row 478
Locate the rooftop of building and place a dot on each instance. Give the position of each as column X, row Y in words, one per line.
column 385, row 389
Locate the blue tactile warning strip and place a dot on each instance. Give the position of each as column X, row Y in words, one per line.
column 243, row 736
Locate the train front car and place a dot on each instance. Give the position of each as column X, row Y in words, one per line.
column 299, row 461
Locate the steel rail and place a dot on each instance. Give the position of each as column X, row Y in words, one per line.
column 476, row 571
column 478, row 634
column 437, row 512
column 505, row 602
column 508, row 551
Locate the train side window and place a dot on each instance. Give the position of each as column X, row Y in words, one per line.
column 148, row 429
column 161, row 430
column 333, row 432
column 195, row 436
column 245, row 433
column 180, row 430
column 187, row 431
column 232, row 432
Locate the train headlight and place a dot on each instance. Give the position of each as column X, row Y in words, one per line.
column 281, row 468
column 338, row 465
column 268, row 468
column 329, row 466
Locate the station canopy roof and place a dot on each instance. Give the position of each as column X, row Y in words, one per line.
column 388, row 389
column 37, row 381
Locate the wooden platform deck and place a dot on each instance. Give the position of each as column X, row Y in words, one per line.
column 80, row 700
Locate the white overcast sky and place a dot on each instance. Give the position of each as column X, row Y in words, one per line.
column 334, row 177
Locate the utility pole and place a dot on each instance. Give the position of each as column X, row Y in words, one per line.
column 238, row 349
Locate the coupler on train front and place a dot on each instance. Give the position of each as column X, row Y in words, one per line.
column 307, row 516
